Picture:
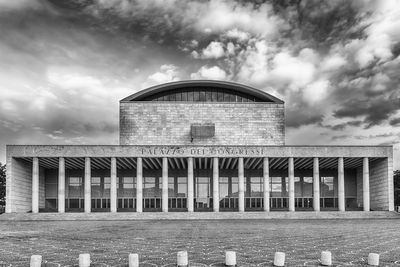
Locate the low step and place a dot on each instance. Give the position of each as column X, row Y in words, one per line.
column 198, row 216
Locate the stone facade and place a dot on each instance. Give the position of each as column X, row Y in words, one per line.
column 168, row 123
column 156, row 142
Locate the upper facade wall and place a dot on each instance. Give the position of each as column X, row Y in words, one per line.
column 169, row 123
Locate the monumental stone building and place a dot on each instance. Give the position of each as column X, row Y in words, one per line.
column 195, row 146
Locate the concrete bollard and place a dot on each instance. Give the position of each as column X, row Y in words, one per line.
column 279, row 259
column 230, row 258
column 182, row 259
column 133, row 260
column 373, row 259
column 326, row 258
column 36, row 261
column 84, row 260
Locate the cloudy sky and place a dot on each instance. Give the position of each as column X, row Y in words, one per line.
column 64, row 65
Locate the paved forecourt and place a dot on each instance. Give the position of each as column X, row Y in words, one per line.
column 158, row 241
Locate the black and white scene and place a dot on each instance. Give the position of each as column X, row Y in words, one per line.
column 199, row 133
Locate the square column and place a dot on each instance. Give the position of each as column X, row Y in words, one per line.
column 88, row 189
column 266, row 184
column 113, row 187
column 341, row 196
column 241, row 184
column 215, row 185
column 139, row 185
column 316, row 195
column 164, row 201
column 61, row 185
column 291, row 184
column 190, row 195
column 35, row 185
column 366, row 184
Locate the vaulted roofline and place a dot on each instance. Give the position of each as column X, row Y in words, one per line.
column 141, row 95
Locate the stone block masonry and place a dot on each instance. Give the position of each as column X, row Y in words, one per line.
column 20, row 186
column 168, row 123
column 380, row 184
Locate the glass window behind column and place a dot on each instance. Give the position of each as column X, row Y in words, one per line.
column 151, row 187
column 276, row 187
column 202, row 187
column 297, row 187
column 127, row 187
column 171, row 187
column 75, row 187
column 182, row 187
column 96, row 187
column 223, row 187
column 51, row 187
column 256, row 187
column 307, row 186
column 327, row 187
column 235, row 187
column 106, row 187
column 51, row 191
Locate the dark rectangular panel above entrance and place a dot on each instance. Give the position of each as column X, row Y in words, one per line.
column 205, row 130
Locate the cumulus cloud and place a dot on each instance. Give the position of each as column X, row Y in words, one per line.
column 212, row 73
column 333, row 62
column 293, row 71
column 238, row 35
column 213, row 50
column 230, row 15
column 167, row 73
column 316, row 91
column 253, row 62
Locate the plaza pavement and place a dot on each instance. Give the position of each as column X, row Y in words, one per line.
column 157, row 241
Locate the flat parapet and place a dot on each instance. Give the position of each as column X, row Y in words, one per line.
column 196, row 151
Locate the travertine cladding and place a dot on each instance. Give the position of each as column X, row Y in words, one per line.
column 20, row 199
column 168, row 123
column 380, row 185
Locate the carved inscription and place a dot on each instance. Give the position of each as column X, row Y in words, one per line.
column 201, row 151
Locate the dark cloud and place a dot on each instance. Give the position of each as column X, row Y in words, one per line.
column 395, row 122
column 375, row 110
column 341, row 126
column 298, row 118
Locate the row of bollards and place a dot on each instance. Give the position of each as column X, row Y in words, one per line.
column 230, row 259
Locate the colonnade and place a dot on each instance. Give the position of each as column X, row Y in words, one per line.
column 190, row 181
